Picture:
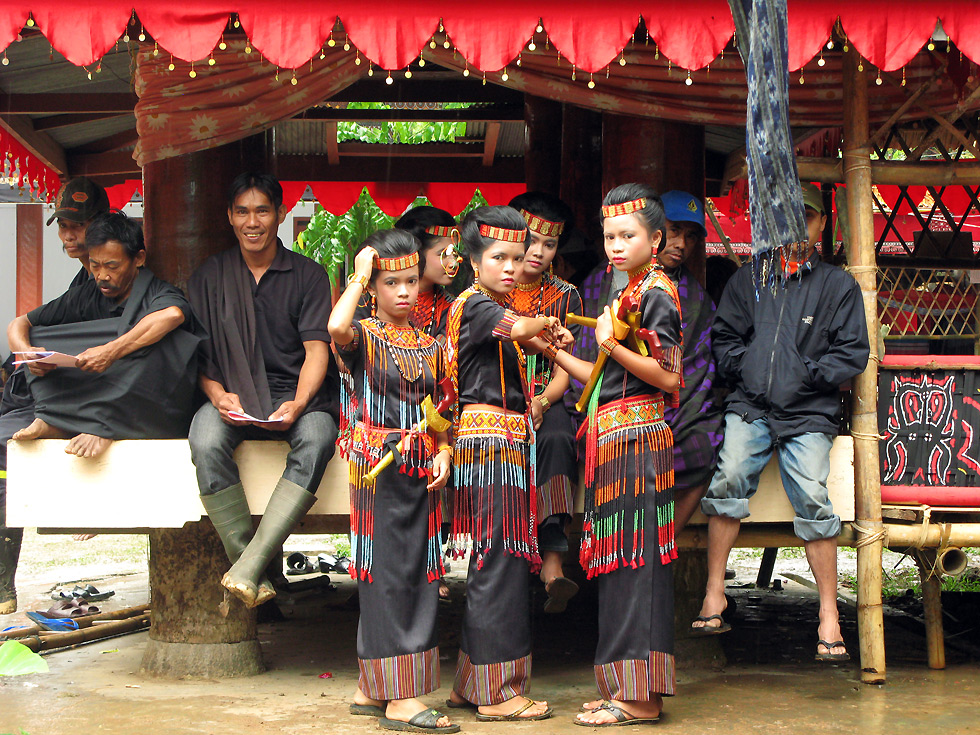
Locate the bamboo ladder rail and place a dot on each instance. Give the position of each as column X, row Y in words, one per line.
column 864, row 420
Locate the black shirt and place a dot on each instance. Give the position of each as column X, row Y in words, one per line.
column 488, row 358
column 292, row 304
column 86, row 303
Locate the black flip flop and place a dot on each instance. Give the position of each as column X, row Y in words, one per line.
column 560, row 590
column 710, row 629
column 832, row 657
column 424, row 721
column 622, row 717
column 91, row 593
column 367, row 710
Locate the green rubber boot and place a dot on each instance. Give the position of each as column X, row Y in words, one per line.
column 232, row 519
column 288, row 504
column 10, row 542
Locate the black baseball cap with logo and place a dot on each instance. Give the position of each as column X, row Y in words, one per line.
column 81, row 200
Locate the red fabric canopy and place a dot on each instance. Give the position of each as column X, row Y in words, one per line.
column 589, row 34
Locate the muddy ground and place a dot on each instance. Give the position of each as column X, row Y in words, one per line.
column 768, row 682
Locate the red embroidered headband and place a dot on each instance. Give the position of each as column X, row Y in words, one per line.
column 614, row 210
column 501, row 233
column 541, row 225
column 397, row 264
column 440, row 231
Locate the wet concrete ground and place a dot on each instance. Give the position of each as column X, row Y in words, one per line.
column 770, row 683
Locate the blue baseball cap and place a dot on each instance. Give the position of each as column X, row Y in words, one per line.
column 679, row 206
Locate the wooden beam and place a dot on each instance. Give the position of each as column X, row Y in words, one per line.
column 736, row 168
column 120, row 140
column 905, row 106
column 333, row 152
column 63, row 121
column 40, row 144
column 490, row 143
column 312, row 168
column 900, row 173
column 102, row 164
column 422, row 150
column 468, row 114
column 452, row 88
column 46, row 103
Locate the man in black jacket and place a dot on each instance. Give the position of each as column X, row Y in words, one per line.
column 785, row 351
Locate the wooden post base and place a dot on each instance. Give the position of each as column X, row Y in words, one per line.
column 188, row 635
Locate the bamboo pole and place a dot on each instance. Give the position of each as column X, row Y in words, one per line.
column 932, row 608
column 896, row 173
column 84, row 621
column 50, row 641
column 864, row 415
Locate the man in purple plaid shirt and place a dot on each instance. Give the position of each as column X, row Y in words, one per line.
column 697, row 422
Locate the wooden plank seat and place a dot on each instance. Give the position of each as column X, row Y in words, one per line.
column 138, row 485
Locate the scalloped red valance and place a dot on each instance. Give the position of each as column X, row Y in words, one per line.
column 589, row 34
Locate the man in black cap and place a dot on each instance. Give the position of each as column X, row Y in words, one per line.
column 81, row 200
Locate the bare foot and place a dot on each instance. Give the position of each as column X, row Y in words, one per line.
column 512, row 705
column 551, row 565
column 402, row 710
column 88, row 446
column 712, row 605
column 40, row 429
column 633, row 709
column 443, row 589
column 589, row 706
column 362, row 698
column 831, row 627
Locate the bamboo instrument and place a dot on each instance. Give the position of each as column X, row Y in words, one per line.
column 431, row 419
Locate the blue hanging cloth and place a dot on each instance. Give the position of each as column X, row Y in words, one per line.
column 775, row 200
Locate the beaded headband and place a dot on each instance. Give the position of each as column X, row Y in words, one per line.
column 614, row 210
column 501, row 233
column 541, row 225
column 397, row 264
column 440, row 231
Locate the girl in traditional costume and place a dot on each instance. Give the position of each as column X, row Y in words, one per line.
column 493, row 487
column 436, row 230
column 395, row 516
column 628, row 533
column 539, row 292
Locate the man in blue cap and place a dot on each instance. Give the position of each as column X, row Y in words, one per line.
column 696, row 423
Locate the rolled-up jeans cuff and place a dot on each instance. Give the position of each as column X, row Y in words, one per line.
column 726, row 507
column 808, row 530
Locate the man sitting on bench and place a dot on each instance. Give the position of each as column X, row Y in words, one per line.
column 266, row 371
column 785, row 351
column 136, row 343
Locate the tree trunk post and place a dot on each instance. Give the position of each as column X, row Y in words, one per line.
column 185, row 221
column 864, row 412
column 542, row 147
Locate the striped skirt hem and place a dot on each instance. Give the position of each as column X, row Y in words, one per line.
column 400, row 677
column 485, row 684
column 637, row 679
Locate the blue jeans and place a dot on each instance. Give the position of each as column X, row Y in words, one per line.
column 311, row 445
column 804, row 465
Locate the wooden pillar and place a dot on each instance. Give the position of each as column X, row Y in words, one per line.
column 581, row 168
column 30, row 257
column 542, row 146
column 864, row 411
column 932, row 608
column 185, row 220
column 665, row 155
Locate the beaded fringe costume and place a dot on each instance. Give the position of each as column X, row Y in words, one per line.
column 625, row 439
column 366, row 434
column 486, row 456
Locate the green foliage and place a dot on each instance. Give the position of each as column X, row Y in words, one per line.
column 332, row 240
column 405, row 133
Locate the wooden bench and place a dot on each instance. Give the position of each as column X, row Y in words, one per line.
column 150, row 487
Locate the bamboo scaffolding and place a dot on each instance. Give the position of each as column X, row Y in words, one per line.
column 864, row 416
column 47, row 641
column 895, row 173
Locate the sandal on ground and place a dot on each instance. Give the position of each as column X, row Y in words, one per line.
column 90, row 593
column 517, row 715
column 622, row 717
column 560, row 590
column 367, row 710
column 424, row 721
column 298, row 563
column 833, row 657
column 64, row 609
column 710, row 629
column 55, row 625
